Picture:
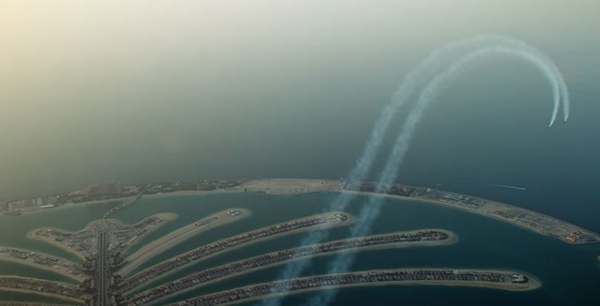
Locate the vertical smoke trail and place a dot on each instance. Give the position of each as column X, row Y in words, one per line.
column 363, row 165
column 565, row 96
column 372, row 208
column 412, row 81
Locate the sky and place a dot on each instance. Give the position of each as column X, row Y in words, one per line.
column 138, row 91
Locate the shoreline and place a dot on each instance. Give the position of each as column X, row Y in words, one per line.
column 452, row 239
column 165, row 217
column 476, row 284
column 32, row 234
column 440, row 203
column 72, row 205
column 192, row 193
column 290, row 186
column 510, row 214
column 350, row 220
column 533, row 283
column 295, row 187
column 29, row 263
column 42, row 293
column 177, row 237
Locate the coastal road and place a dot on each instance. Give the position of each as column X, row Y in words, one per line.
column 102, row 270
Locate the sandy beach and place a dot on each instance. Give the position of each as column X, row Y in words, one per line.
column 168, row 216
column 115, row 200
column 32, row 235
column 290, row 186
column 269, row 186
column 165, row 217
column 179, row 236
column 71, row 205
column 559, row 230
column 193, row 193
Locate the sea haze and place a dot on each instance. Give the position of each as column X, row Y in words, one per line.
column 137, row 92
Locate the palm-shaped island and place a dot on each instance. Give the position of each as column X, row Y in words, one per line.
column 110, row 273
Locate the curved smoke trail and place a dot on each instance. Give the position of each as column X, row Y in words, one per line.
column 372, row 208
column 415, row 78
column 564, row 90
column 559, row 88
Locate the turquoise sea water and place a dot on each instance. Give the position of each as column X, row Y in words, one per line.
column 570, row 274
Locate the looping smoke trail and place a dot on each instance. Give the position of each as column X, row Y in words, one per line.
column 364, row 163
column 424, row 71
column 561, row 92
column 372, row 208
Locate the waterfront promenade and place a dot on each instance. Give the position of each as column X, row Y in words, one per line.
column 314, row 222
column 426, row 237
column 504, row 280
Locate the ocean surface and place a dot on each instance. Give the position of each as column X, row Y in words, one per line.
column 163, row 95
column 570, row 274
column 488, row 129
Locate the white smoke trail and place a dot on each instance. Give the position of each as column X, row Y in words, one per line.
column 364, row 163
column 565, row 95
column 412, row 81
column 372, row 208
column 559, row 86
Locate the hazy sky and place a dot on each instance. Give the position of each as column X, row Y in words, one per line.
column 134, row 90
